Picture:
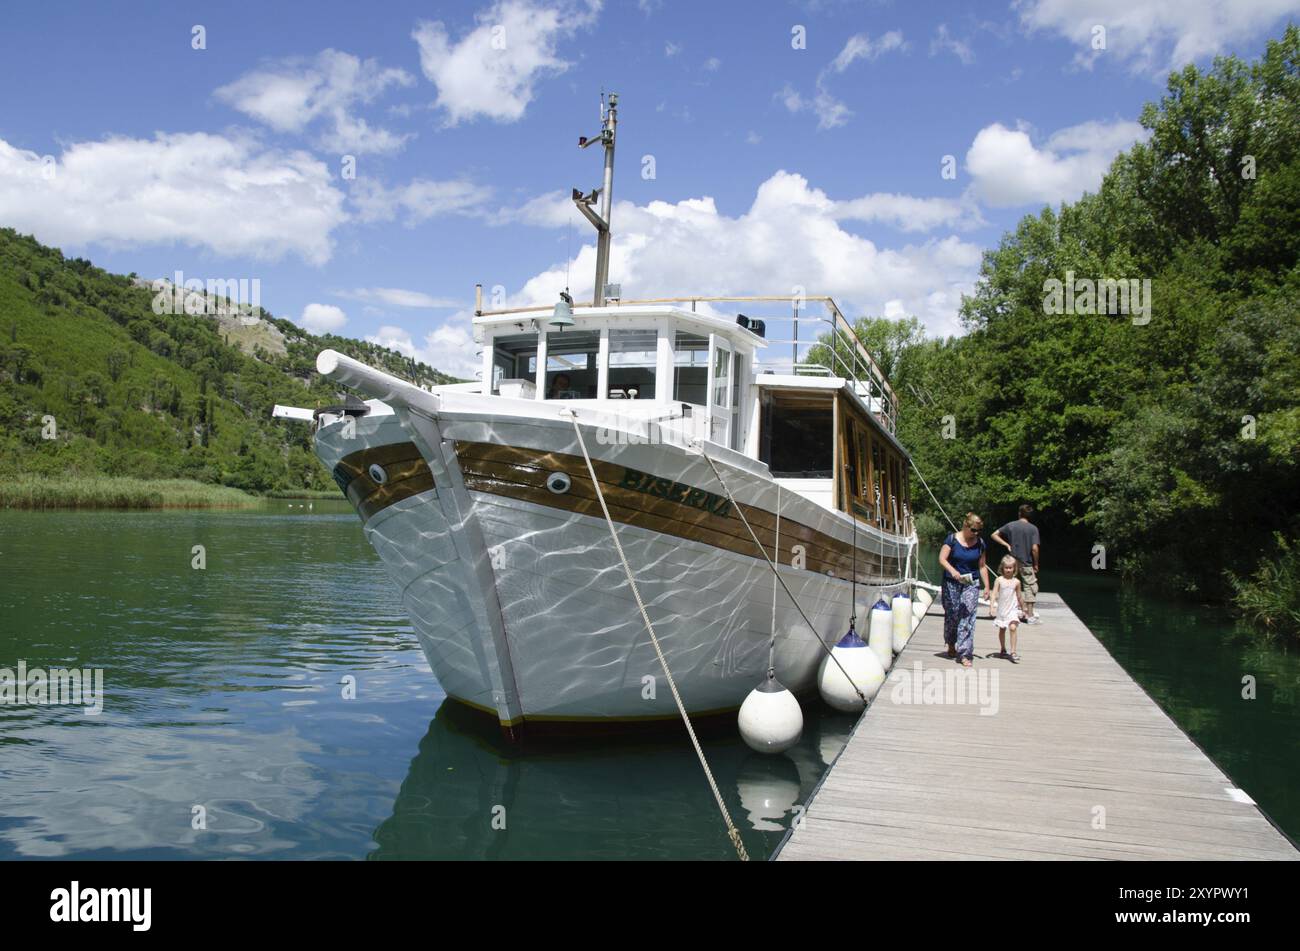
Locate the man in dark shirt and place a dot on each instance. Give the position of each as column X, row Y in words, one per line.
column 1021, row 539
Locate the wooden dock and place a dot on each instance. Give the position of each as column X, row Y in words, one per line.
column 1077, row 762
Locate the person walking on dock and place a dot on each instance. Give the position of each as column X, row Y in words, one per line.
column 1005, row 606
column 962, row 558
column 1022, row 540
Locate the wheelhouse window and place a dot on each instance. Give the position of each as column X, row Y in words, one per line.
column 691, row 368
column 514, row 358
column 633, row 360
column 572, row 364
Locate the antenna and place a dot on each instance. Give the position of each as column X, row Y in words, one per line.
column 600, row 220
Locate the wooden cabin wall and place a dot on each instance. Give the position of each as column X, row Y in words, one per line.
column 866, row 461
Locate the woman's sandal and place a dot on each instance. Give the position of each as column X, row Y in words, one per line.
column 965, row 662
column 1015, row 658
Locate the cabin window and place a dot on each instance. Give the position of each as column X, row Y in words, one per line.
column 572, row 364
column 797, row 429
column 867, row 506
column 737, row 378
column 514, row 358
column 852, row 485
column 878, row 477
column 691, row 368
column 633, row 359
column 721, row 376
column 895, row 491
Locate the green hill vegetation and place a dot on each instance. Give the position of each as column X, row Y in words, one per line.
column 102, row 401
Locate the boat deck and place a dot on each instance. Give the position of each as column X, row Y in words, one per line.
column 1077, row 762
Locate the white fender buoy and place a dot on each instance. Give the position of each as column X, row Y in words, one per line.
column 860, row 663
column 881, row 634
column 770, row 718
column 920, row 605
column 901, row 610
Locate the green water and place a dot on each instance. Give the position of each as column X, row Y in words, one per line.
column 224, row 690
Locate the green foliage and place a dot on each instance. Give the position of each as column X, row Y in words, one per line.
column 929, row 528
column 1271, row 596
column 1173, row 443
column 137, row 395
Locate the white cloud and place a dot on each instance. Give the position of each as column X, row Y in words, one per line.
column 672, row 49
column 909, row 213
column 291, row 94
column 830, row 111
column 396, row 297
column 904, row 212
column 862, row 46
column 448, row 347
column 712, row 64
column 943, row 40
column 1007, row 169
column 791, row 235
column 492, row 71
column 417, row 201
column 753, row 138
column 227, row 194
column 1154, row 37
column 322, row 318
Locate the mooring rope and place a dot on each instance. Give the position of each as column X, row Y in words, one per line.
column 776, row 552
column 732, row 832
column 795, row 601
column 931, row 494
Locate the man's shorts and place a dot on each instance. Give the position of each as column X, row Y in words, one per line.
column 1028, row 585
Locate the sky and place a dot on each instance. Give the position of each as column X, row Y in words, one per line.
column 369, row 163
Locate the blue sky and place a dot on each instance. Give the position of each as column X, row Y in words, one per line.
column 775, row 163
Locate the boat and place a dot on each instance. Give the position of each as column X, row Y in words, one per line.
column 756, row 486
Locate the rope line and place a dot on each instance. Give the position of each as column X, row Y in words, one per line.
column 776, row 552
column 931, row 494
column 811, row 627
column 732, row 832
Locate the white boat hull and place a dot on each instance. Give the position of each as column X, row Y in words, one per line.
column 520, row 602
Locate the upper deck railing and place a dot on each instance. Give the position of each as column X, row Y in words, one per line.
column 824, row 344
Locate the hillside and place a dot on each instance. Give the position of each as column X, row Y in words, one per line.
column 137, row 394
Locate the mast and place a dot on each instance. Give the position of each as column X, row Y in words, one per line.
column 600, row 221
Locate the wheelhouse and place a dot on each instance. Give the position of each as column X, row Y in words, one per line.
column 643, row 362
column 817, row 412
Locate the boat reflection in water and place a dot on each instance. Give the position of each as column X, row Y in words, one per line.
column 471, row 795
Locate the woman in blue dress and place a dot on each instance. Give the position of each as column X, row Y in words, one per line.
column 963, row 564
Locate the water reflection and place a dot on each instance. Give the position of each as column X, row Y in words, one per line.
column 593, row 799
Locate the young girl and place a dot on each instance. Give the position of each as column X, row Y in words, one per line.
column 1006, row 606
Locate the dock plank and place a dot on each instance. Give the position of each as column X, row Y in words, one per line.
column 1070, row 733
